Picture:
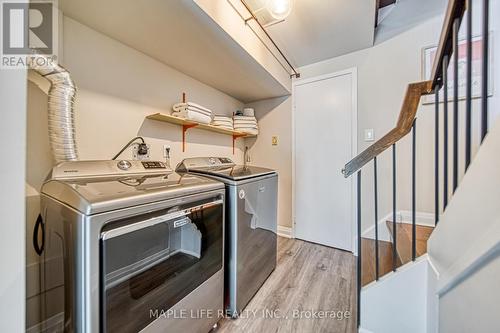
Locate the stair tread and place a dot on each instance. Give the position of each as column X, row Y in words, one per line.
column 368, row 273
column 404, row 239
column 404, row 249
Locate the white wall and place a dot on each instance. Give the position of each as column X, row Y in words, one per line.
column 117, row 88
column 391, row 306
column 473, row 305
column 275, row 120
column 384, row 71
column 12, row 200
column 465, row 246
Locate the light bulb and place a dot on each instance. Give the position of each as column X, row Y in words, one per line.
column 279, row 9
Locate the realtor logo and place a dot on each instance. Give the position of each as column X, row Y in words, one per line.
column 27, row 28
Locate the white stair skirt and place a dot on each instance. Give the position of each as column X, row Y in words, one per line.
column 401, row 302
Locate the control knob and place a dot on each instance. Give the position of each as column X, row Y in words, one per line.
column 124, row 165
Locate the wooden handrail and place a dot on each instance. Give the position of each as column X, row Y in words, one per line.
column 403, row 127
column 455, row 10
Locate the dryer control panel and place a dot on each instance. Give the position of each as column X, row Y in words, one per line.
column 97, row 169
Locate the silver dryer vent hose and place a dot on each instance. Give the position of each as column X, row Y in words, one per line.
column 62, row 95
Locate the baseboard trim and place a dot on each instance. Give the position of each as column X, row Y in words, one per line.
column 383, row 231
column 285, row 231
column 422, row 218
column 403, row 216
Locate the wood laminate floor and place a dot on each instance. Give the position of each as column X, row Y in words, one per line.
column 309, row 279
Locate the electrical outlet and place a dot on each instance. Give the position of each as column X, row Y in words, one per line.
column 166, row 151
column 140, row 157
column 274, row 140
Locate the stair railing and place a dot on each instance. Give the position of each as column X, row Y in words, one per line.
column 407, row 122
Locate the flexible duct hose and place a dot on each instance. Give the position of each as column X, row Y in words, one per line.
column 62, row 95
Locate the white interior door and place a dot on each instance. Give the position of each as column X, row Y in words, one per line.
column 325, row 139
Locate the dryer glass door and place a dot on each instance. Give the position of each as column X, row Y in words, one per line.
column 152, row 261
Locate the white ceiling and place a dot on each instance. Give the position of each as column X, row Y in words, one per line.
column 179, row 34
column 407, row 14
column 317, row 30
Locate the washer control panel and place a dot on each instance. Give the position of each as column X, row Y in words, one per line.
column 206, row 162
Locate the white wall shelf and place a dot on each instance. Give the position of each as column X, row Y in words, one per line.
column 187, row 124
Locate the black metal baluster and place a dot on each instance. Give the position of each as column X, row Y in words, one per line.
column 414, row 192
column 456, row 27
column 445, row 131
column 359, row 248
column 394, row 230
column 375, row 183
column 436, row 156
column 468, row 88
column 484, row 88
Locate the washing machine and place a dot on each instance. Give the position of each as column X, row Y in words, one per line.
column 129, row 246
column 251, row 224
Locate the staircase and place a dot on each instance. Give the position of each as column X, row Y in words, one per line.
column 399, row 287
column 385, row 250
column 404, row 236
column 368, row 261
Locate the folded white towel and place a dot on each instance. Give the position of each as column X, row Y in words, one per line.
column 223, row 122
column 245, row 122
column 244, row 118
column 184, row 109
column 222, row 118
column 249, row 112
column 249, row 131
column 191, row 105
column 245, row 125
column 227, row 120
column 192, row 115
column 225, row 127
column 245, row 128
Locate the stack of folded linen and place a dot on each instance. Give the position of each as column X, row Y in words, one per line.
column 192, row 111
column 246, row 124
column 223, row 121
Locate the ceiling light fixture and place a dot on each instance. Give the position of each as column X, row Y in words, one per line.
column 279, row 9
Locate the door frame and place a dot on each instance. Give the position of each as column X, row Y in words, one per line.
column 353, row 71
